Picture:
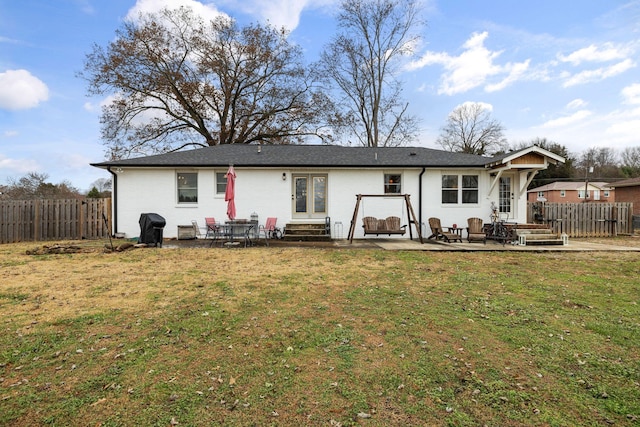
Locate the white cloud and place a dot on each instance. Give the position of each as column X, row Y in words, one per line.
column 576, row 103
column 85, row 6
column 584, row 128
column 75, row 161
column 598, row 74
column 20, row 166
column 618, row 118
column 593, row 53
column 631, row 94
column 575, row 118
column 280, row 13
column 8, row 40
column 621, row 127
column 20, row 90
column 472, row 68
column 205, row 11
column 516, row 72
column 484, row 105
column 106, row 101
column 628, row 127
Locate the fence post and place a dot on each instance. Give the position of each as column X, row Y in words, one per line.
column 37, row 220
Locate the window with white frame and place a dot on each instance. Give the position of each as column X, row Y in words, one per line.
column 581, row 194
column 540, row 194
column 459, row 189
column 605, row 193
column 221, row 182
column 392, row 183
column 187, row 187
column 563, row 193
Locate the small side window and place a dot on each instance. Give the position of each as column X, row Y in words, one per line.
column 392, row 183
column 221, row 182
column 187, row 187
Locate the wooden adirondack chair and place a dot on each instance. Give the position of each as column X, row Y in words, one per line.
column 475, row 232
column 437, row 232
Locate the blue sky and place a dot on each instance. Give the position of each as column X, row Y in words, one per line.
column 564, row 70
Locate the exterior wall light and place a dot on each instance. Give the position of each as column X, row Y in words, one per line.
column 284, row 176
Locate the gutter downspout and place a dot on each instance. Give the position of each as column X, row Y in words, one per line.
column 114, row 196
column 420, row 198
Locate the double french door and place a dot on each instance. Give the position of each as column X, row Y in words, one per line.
column 309, row 196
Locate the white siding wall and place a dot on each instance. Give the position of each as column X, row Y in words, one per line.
column 144, row 191
column 267, row 194
column 450, row 214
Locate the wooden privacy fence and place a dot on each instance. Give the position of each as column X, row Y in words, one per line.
column 35, row 220
column 583, row 219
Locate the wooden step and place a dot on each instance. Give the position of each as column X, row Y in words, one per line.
column 542, row 242
column 294, row 229
column 306, row 232
column 540, row 237
column 306, row 237
column 533, row 231
column 531, row 226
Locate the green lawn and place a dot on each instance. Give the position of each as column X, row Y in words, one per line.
column 302, row 336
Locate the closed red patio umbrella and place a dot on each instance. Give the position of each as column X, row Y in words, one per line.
column 230, row 193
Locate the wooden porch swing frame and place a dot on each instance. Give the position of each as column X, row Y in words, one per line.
column 411, row 217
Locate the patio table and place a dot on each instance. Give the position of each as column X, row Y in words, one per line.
column 457, row 230
column 229, row 232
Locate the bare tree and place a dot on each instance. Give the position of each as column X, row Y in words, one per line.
column 34, row 185
column 362, row 62
column 603, row 160
column 630, row 166
column 178, row 81
column 470, row 129
column 102, row 184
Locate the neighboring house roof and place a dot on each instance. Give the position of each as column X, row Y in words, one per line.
column 631, row 182
column 569, row 186
column 312, row 156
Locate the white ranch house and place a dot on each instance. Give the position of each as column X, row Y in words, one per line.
column 308, row 183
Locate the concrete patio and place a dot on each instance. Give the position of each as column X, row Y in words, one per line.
column 575, row 245
column 627, row 244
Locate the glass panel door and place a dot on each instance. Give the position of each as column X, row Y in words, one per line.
column 300, row 184
column 320, row 195
column 505, row 197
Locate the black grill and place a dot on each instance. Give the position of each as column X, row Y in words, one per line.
column 151, row 229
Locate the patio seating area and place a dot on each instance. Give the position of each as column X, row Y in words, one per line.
column 521, row 237
column 233, row 233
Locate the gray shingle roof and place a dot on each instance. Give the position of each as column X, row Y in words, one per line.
column 304, row 156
